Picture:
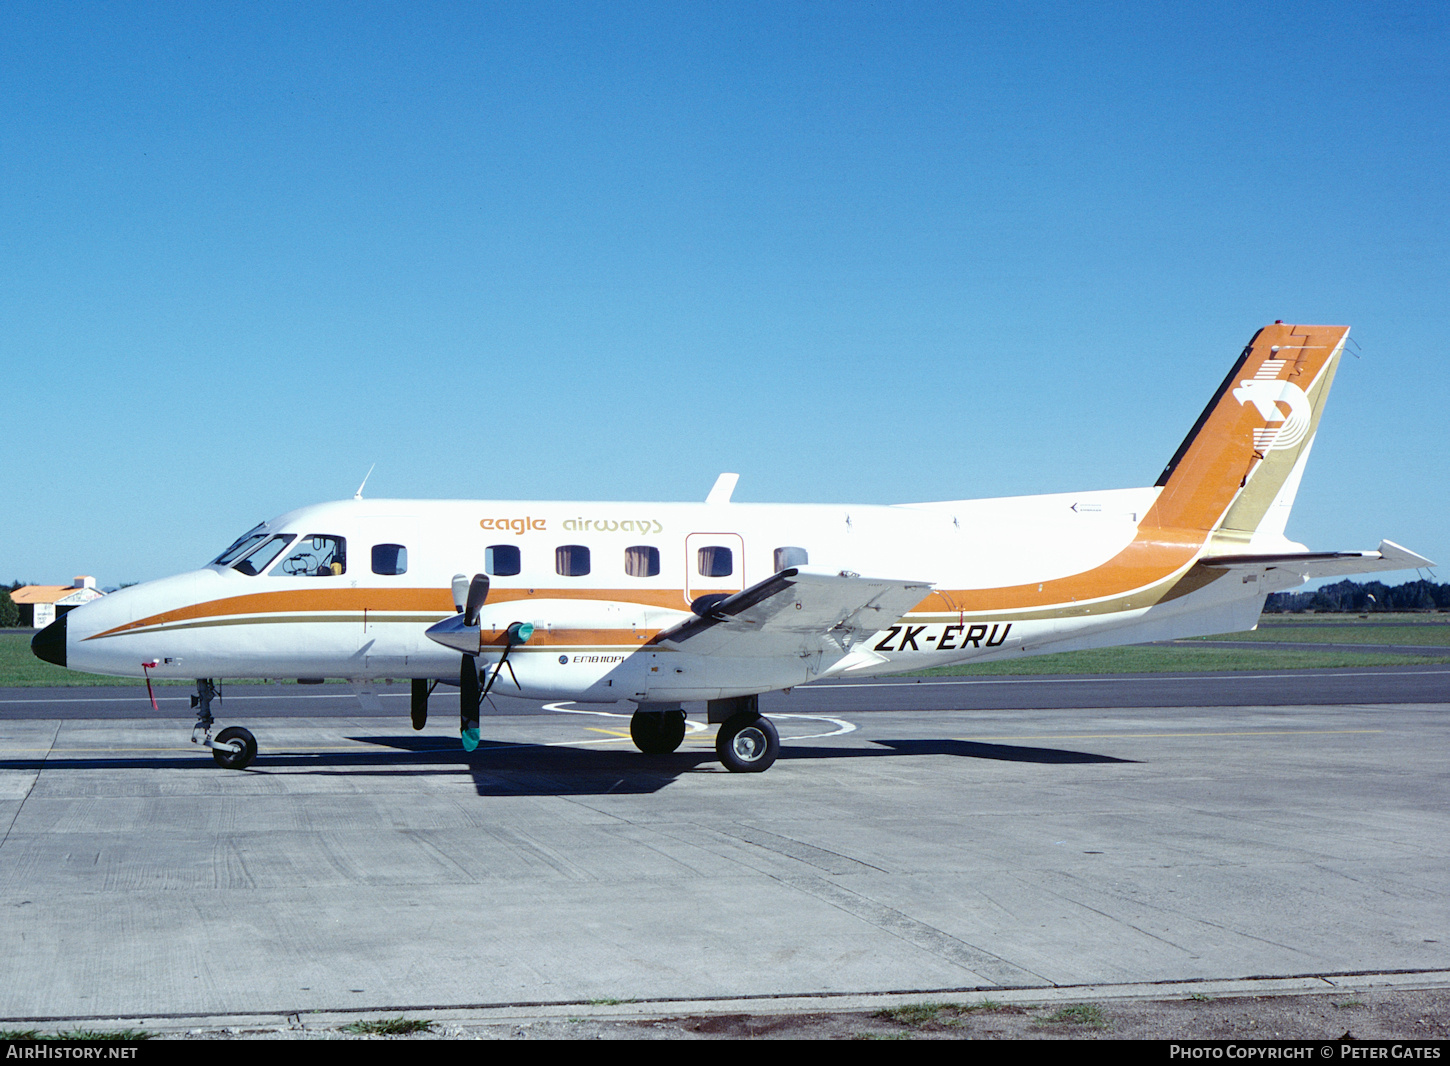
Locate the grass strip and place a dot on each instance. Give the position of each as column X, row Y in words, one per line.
column 389, row 1027
column 1422, row 636
column 1180, row 659
column 77, row 1036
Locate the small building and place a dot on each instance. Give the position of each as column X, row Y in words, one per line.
column 41, row 605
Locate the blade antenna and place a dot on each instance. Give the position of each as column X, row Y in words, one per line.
column 358, row 494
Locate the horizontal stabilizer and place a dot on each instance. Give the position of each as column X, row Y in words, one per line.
column 797, row 612
column 1390, row 556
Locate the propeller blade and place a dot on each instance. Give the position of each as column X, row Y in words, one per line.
column 477, row 593
column 468, row 700
column 460, row 592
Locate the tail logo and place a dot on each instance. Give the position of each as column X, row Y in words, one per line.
column 1266, row 393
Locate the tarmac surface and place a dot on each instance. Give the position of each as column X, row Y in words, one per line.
column 953, row 837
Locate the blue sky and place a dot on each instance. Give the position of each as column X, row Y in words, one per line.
column 865, row 253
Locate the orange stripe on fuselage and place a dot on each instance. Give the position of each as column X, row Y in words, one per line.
column 315, row 600
column 305, row 601
column 1148, row 560
column 570, row 638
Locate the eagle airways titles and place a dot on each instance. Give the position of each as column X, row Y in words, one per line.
column 666, row 603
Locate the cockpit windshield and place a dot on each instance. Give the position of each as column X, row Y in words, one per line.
column 261, row 558
column 245, row 543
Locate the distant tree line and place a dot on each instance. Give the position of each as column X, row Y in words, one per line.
column 1363, row 598
column 9, row 612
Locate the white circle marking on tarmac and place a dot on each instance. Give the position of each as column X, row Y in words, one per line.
column 693, row 727
column 842, row 726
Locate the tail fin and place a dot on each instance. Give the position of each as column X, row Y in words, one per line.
column 1238, row 470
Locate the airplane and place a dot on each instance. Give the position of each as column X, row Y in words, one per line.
column 663, row 604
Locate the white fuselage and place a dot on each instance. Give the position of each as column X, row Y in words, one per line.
column 594, row 630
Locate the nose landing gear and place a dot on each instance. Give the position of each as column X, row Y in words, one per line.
column 234, row 747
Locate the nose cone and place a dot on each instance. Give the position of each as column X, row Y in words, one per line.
column 452, row 633
column 49, row 643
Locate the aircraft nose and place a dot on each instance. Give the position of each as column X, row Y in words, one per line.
column 49, row 643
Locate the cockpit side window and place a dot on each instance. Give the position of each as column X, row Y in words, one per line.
column 258, row 560
column 316, row 555
column 245, row 543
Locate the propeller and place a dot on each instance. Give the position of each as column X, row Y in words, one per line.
column 468, row 701
column 469, row 604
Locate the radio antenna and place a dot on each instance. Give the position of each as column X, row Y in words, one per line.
column 358, row 494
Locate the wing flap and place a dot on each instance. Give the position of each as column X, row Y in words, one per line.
column 797, row 612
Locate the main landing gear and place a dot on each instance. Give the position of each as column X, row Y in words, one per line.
column 747, row 742
column 234, row 747
column 657, row 732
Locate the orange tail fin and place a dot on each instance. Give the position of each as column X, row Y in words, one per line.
column 1236, row 472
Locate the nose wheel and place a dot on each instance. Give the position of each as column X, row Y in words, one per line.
column 234, row 747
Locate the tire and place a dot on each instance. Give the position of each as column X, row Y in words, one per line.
column 238, row 760
column 747, row 744
column 657, row 732
column 419, row 706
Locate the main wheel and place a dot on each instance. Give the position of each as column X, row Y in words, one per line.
column 419, row 707
column 235, row 760
column 747, row 744
column 657, row 732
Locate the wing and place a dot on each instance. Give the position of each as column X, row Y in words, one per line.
column 1297, row 567
column 796, row 612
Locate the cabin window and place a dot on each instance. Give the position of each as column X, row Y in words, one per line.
column 258, row 560
column 243, row 544
column 571, row 560
column 390, row 560
column 642, row 561
column 502, row 560
column 316, row 555
column 716, row 561
column 788, row 557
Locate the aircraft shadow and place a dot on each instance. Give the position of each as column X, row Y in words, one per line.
column 974, row 749
column 502, row 768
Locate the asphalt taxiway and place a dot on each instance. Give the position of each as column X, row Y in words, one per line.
column 913, row 838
